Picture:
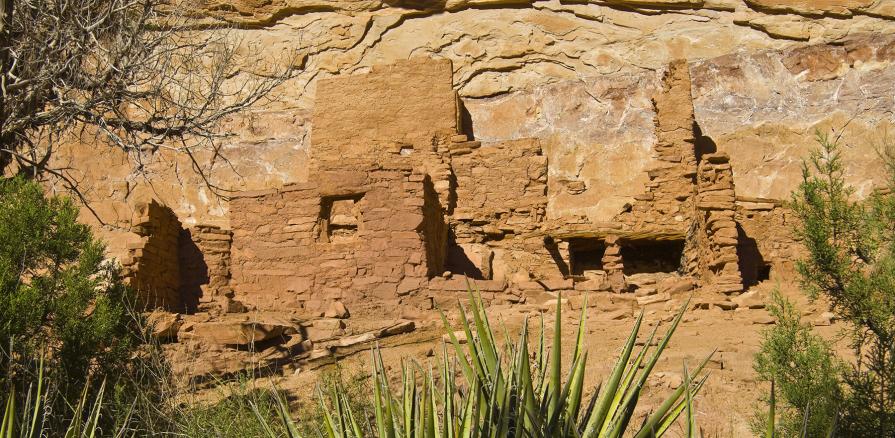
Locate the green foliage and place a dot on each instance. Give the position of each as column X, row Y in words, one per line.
column 59, row 298
column 805, row 371
column 503, row 395
column 233, row 416
column 31, row 419
column 851, row 263
column 851, row 246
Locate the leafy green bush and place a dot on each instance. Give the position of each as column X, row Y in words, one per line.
column 59, row 298
column 850, row 262
column 504, row 395
column 806, row 373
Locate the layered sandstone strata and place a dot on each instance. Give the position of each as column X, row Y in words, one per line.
column 552, row 146
column 765, row 75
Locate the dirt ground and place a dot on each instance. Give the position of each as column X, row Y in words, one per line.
column 725, row 404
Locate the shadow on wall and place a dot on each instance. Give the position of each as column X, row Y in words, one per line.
column 193, row 271
column 753, row 267
column 652, row 256
column 465, row 121
column 703, row 144
column 419, row 5
column 553, row 250
column 459, row 262
column 586, row 255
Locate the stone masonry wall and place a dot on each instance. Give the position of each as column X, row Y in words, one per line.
column 501, row 202
column 204, row 254
column 348, row 235
column 767, row 247
column 501, row 189
column 667, row 202
column 409, row 102
column 717, row 236
column 151, row 266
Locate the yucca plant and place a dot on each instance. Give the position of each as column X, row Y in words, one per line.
column 30, row 420
column 507, row 393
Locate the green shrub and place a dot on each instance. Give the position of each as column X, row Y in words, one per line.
column 59, row 298
column 850, row 262
column 805, row 371
column 233, row 416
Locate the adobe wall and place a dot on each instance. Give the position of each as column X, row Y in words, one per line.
column 151, row 265
column 408, row 102
column 348, row 235
column 204, row 257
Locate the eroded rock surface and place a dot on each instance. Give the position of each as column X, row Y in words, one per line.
column 535, row 148
column 577, row 75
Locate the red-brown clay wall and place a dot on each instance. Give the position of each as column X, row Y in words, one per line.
column 409, row 102
column 204, row 253
column 283, row 258
column 152, row 267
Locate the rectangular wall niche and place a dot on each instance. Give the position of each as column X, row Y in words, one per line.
column 340, row 217
column 652, row 256
column 586, row 256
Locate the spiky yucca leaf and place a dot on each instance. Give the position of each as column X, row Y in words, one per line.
column 502, row 397
column 84, row 422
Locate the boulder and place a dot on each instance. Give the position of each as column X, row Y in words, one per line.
column 557, row 283
column 323, row 329
column 749, row 300
column 236, row 332
column 337, row 310
column 399, row 327
column 826, row 318
column 676, row 285
column 460, row 335
column 163, row 325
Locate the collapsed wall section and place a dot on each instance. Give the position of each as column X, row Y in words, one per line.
column 204, row 257
column 151, row 266
column 349, row 235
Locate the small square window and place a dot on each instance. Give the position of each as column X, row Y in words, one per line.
column 339, row 218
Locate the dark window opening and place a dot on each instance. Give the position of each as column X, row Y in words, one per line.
column 474, row 263
column 459, row 262
column 646, row 256
column 753, row 267
column 339, row 217
column 586, row 255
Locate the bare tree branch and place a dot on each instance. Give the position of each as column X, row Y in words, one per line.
column 139, row 77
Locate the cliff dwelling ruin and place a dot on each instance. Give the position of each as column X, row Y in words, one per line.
column 402, row 210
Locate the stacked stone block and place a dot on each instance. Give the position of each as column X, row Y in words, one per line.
column 767, row 242
column 283, row 258
column 501, row 190
column 151, row 266
column 204, row 255
column 667, row 202
column 718, row 236
column 614, row 265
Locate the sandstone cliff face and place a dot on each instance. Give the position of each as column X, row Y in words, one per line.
column 577, row 75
